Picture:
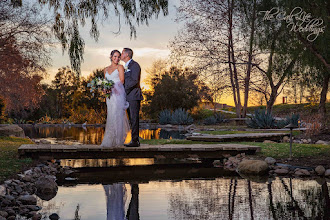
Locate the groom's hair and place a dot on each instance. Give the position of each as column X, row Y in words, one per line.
column 129, row 52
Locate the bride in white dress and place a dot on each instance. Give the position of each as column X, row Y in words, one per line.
column 117, row 125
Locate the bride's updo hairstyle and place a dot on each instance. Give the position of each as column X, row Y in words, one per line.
column 113, row 52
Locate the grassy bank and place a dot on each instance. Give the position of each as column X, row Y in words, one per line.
column 10, row 164
column 245, row 132
column 306, row 154
column 304, row 110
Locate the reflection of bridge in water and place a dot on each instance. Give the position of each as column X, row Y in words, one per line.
column 146, row 173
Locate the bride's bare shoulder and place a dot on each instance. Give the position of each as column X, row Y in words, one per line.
column 105, row 69
column 120, row 67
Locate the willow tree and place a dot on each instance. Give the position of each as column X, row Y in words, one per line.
column 70, row 15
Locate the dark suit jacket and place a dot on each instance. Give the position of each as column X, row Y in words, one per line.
column 132, row 82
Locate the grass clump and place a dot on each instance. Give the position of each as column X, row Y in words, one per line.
column 10, row 164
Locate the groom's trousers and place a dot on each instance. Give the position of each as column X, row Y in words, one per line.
column 133, row 114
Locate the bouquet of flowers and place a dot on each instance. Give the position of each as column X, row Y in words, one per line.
column 101, row 84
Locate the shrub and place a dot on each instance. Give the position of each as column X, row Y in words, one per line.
column 45, row 120
column 313, row 125
column 219, row 117
column 210, row 120
column 293, row 119
column 201, row 113
column 181, row 117
column 214, row 119
column 83, row 114
column 261, row 119
column 165, row 117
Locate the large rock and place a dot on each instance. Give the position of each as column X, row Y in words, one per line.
column 28, row 200
column 2, row 190
column 14, row 130
column 281, row 171
column 270, row 160
column 302, row 172
column 320, row 170
column 54, row 216
column 322, row 142
column 254, row 167
column 286, row 139
column 37, row 216
column 327, row 173
column 46, row 187
column 3, row 214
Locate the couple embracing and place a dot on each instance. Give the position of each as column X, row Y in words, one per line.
column 125, row 95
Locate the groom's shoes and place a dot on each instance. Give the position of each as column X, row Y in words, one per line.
column 133, row 144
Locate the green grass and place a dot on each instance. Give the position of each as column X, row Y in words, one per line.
column 282, row 150
column 173, row 141
column 275, row 150
column 245, row 132
column 10, row 164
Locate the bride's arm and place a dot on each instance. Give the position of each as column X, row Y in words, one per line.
column 121, row 73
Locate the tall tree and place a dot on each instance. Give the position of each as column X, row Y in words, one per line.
column 65, row 84
column 24, row 54
column 175, row 88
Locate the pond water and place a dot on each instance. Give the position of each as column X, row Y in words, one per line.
column 91, row 134
column 185, row 192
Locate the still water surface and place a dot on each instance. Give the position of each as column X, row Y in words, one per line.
column 92, row 135
column 219, row 198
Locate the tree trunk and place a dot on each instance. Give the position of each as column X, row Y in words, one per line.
column 249, row 67
column 231, row 61
column 323, row 99
column 271, row 101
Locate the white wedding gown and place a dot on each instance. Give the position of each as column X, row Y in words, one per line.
column 117, row 125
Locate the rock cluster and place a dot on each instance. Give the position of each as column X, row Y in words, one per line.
column 232, row 162
column 18, row 197
column 286, row 139
column 245, row 166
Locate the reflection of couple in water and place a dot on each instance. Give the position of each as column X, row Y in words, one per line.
column 116, row 197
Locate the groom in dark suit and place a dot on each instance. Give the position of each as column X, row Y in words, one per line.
column 133, row 93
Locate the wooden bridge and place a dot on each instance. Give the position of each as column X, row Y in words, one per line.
column 54, row 151
column 237, row 137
